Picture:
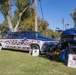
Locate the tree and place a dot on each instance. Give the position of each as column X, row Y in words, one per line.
column 28, row 24
column 3, row 29
column 21, row 5
column 43, row 27
column 74, row 17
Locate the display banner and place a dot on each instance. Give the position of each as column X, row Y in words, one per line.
column 71, row 60
column 35, row 52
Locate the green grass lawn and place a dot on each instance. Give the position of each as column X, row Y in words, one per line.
column 20, row 63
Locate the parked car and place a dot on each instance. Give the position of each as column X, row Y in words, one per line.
column 25, row 40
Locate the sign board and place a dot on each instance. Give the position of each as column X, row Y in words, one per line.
column 35, row 52
column 72, row 60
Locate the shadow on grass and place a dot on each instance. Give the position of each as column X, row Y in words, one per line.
column 53, row 58
column 13, row 50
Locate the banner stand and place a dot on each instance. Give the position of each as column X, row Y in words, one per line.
column 34, row 52
column 72, row 60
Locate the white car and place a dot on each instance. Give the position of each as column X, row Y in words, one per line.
column 25, row 40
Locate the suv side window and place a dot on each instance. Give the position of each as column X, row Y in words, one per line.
column 8, row 36
column 23, row 35
column 32, row 35
column 15, row 35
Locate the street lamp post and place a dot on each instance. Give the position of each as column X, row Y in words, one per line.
column 63, row 23
column 67, row 25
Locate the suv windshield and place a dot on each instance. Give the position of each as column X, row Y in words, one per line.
column 34, row 34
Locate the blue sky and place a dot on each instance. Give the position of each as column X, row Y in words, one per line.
column 54, row 11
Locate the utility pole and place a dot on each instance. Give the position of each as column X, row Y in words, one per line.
column 35, row 12
column 63, row 23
